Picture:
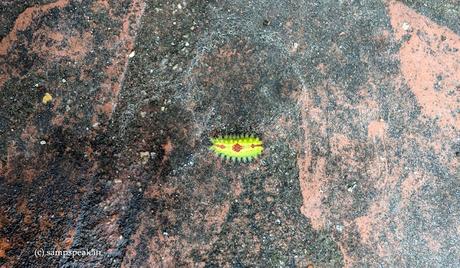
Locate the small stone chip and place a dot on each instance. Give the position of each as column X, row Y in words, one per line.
column 47, row 98
column 144, row 157
column 406, row 26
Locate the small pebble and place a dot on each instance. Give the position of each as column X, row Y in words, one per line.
column 144, row 157
column 339, row 228
column 47, row 98
column 406, row 26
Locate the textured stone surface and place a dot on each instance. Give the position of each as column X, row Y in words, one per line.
column 357, row 103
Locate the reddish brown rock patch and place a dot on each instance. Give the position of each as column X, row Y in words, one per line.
column 25, row 19
column 376, row 129
column 4, row 247
column 54, row 44
column 430, row 63
column 167, row 148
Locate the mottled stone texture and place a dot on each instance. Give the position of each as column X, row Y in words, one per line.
column 357, row 103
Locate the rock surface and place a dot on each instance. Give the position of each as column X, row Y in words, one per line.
column 107, row 107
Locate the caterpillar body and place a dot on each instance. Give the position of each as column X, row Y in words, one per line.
column 237, row 147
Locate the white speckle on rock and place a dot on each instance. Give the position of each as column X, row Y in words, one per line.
column 295, row 46
column 144, row 157
column 351, row 187
column 406, row 26
column 339, row 228
column 42, row 142
column 132, row 54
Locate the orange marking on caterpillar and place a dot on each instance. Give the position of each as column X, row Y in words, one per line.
column 237, row 147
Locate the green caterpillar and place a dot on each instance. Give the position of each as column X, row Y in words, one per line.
column 237, row 147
